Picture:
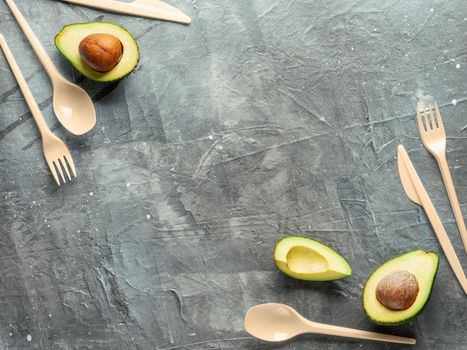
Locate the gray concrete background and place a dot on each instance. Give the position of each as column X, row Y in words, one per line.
column 263, row 118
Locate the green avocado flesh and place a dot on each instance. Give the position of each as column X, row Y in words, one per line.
column 69, row 38
column 307, row 259
column 418, row 263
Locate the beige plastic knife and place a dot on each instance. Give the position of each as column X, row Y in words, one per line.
column 415, row 190
column 144, row 8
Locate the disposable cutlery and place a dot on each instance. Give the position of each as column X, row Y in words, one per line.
column 415, row 190
column 433, row 138
column 72, row 105
column 278, row 322
column 56, row 153
column 143, row 8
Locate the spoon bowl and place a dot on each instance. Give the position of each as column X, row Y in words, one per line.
column 279, row 322
column 73, row 106
column 273, row 322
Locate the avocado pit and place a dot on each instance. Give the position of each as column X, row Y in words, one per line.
column 398, row 290
column 101, row 52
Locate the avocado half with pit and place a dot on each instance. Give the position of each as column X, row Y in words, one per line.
column 101, row 51
column 306, row 259
column 397, row 291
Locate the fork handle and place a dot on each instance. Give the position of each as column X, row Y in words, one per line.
column 35, row 111
column 450, row 189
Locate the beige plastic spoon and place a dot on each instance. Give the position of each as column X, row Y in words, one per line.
column 72, row 105
column 279, row 322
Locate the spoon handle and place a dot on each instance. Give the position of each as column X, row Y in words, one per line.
column 34, row 41
column 355, row 333
column 35, row 111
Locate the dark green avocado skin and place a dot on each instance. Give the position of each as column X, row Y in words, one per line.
column 407, row 320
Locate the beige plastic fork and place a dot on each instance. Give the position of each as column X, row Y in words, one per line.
column 56, row 153
column 433, row 138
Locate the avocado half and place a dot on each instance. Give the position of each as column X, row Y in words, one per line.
column 69, row 38
column 422, row 265
column 306, row 259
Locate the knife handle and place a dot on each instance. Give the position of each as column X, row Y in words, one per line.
column 150, row 9
column 445, row 242
column 110, row 5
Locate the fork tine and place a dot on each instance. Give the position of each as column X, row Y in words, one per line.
column 421, row 127
column 57, row 164
column 53, row 171
column 438, row 117
column 69, row 159
column 434, row 126
column 427, row 122
column 64, row 165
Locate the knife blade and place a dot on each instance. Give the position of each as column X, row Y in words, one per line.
column 144, row 8
column 415, row 190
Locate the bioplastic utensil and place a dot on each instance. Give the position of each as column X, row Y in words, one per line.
column 278, row 322
column 433, row 137
column 72, row 105
column 56, row 153
column 415, row 190
column 144, row 8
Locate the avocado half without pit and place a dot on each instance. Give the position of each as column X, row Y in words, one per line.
column 397, row 291
column 101, row 51
column 307, row 259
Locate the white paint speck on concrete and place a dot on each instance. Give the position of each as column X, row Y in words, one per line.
column 29, row 338
column 454, row 102
column 458, row 66
column 91, row 194
column 148, row 216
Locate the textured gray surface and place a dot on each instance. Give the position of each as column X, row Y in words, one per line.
column 262, row 118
